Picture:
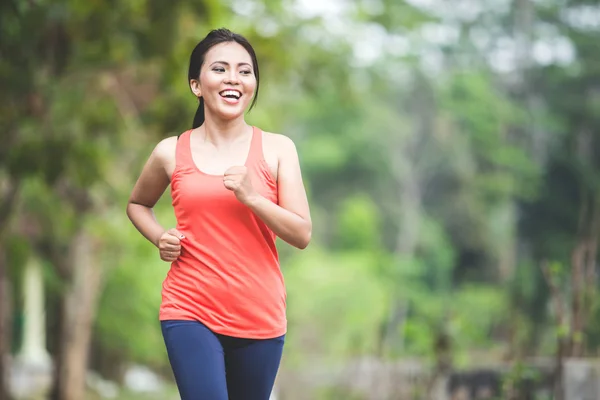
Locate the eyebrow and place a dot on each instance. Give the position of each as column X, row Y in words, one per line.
column 226, row 63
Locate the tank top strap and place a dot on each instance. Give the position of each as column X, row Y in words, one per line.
column 183, row 154
column 256, row 146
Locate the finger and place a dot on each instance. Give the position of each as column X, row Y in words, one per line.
column 170, row 240
column 176, row 233
column 232, row 178
column 169, row 256
column 171, row 247
column 236, row 170
column 229, row 184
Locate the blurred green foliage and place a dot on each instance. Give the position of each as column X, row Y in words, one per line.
column 438, row 181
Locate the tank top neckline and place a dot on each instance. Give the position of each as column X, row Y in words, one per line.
column 255, row 145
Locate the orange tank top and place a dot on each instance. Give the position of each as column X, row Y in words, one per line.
column 228, row 274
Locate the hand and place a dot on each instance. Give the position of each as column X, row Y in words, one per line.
column 238, row 181
column 169, row 245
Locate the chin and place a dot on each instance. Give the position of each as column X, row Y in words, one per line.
column 230, row 114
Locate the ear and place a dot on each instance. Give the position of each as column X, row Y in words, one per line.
column 195, row 86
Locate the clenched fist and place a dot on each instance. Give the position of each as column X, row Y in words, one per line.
column 169, row 245
column 238, row 181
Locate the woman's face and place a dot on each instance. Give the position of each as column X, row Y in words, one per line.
column 227, row 81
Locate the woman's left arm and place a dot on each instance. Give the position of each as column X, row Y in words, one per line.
column 290, row 220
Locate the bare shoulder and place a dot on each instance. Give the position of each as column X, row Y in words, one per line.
column 279, row 143
column 165, row 149
column 164, row 154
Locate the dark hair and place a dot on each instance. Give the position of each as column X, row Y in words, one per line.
column 213, row 38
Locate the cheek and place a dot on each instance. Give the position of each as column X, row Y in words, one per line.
column 251, row 86
column 208, row 81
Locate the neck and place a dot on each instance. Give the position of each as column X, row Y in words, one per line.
column 224, row 132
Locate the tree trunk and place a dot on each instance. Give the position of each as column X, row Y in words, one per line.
column 409, row 173
column 78, row 313
column 561, row 325
column 577, row 300
column 5, row 324
column 583, row 269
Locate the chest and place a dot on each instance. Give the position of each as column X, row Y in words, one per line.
column 214, row 160
column 210, row 162
column 200, row 193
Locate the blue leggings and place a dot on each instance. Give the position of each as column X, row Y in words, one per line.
column 209, row 366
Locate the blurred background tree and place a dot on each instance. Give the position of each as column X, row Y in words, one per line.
column 448, row 150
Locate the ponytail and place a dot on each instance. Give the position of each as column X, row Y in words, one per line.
column 199, row 117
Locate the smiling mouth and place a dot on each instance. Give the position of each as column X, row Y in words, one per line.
column 231, row 94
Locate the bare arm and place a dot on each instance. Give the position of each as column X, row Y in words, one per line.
column 290, row 220
column 150, row 186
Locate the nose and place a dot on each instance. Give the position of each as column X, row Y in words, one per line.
column 232, row 78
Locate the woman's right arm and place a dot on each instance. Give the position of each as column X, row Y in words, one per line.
column 150, row 186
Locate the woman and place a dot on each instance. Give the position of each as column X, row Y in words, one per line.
column 234, row 189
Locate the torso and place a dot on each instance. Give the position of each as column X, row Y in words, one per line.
column 227, row 275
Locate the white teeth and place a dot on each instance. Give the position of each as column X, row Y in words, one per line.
column 231, row 93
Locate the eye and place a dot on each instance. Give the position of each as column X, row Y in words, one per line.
column 246, row 72
column 218, row 69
